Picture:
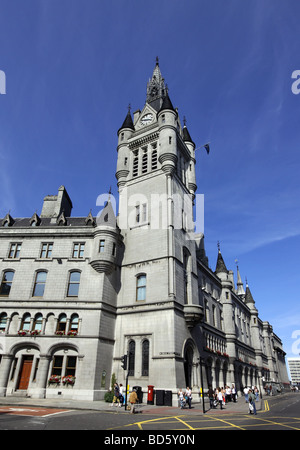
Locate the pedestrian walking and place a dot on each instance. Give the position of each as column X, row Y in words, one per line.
column 121, row 396
column 256, row 392
column 211, row 397
column 246, row 393
column 116, row 398
column 227, row 394
column 233, row 393
column 252, row 406
column 181, row 399
column 133, row 400
column 220, row 397
column 188, row 394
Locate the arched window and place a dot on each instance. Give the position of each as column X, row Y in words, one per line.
column 25, row 324
column 38, row 322
column 39, row 285
column 61, row 323
column 145, row 358
column 3, row 321
column 141, row 287
column 131, row 348
column 6, row 282
column 74, row 323
column 74, row 282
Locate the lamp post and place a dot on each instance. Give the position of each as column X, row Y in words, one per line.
column 202, row 387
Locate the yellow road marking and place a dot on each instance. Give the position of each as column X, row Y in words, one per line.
column 277, row 423
column 224, row 421
column 186, row 424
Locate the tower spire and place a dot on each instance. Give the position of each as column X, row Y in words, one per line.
column 156, row 88
column 240, row 287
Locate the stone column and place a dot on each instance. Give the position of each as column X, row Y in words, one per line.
column 4, row 373
column 40, row 391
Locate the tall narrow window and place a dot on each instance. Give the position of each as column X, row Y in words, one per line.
column 78, row 250
column 46, row 251
column 74, row 323
column 141, row 287
column 131, row 360
column 25, row 324
column 145, row 358
column 38, row 322
column 101, row 245
column 137, row 214
column 135, row 169
column 74, row 282
column 3, row 321
column 39, row 285
column 214, row 315
column 186, row 270
column 144, row 212
column 145, row 162
column 6, row 282
column 14, row 251
column 61, row 323
column 71, row 366
column 154, row 160
column 57, row 365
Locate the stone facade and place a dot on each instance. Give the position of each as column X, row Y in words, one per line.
column 79, row 293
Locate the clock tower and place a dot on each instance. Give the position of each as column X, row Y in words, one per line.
column 158, row 300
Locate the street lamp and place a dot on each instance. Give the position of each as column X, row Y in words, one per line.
column 202, row 386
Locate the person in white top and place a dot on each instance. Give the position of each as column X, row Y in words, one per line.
column 246, row 392
column 220, row 397
column 188, row 393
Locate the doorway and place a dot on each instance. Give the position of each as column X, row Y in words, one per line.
column 188, row 365
column 25, row 372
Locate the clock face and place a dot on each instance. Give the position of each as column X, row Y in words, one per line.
column 146, row 119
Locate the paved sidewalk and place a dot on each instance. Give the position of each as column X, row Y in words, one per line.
column 240, row 407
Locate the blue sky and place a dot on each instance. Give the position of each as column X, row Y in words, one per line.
column 72, row 67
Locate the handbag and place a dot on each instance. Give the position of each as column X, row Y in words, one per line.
column 251, row 407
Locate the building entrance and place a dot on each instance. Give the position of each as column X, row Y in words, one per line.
column 25, row 372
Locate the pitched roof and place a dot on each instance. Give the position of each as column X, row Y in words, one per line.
column 166, row 104
column 248, row 295
column 107, row 216
column 220, row 266
column 128, row 123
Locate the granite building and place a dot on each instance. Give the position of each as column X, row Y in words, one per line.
column 77, row 293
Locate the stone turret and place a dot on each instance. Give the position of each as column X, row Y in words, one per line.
column 167, row 117
column 106, row 241
column 124, row 133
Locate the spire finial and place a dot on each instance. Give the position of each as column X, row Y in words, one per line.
column 157, row 61
column 184, row 121
column 218, row 245
column 129, row 108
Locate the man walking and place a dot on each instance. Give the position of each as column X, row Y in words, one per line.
column 252, row 406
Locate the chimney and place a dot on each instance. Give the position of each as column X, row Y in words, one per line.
column 54, row 204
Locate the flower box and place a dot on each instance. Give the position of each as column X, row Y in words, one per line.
column 35, row 332
column 54, row 379
column 60, row 333
column 22, row 333
column 68, row 380
column 72, row 333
